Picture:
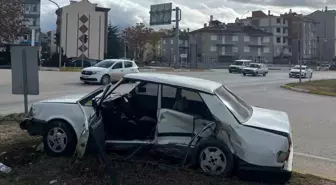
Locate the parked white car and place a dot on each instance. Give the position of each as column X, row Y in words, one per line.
column 109, row 70
column 207, row 122
column 305, row 71
column 238, row 65
column 255, row 69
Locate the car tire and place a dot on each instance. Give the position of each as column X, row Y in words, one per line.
column 264, row 74
column 244, row 74
column 59, row 139
column 105, row 79
column 230, row 71
column 215, row 158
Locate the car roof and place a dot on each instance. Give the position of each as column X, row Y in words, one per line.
column 117, row 60
column 243, row 60
column 299, row 66
column 256, row 63
column 177, row 80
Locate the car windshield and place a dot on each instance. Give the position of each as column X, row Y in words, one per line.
column 298, row 67
column 254, row 65
column 105, row 64
column 239, row 63
column 241, row 110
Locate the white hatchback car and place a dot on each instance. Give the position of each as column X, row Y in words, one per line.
column 196, row 119
column 255, row 69
column 109, row 70
column 306, row 72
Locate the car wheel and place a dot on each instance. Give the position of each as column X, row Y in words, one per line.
column 230, row 71
column 105, row 79
column 214, row 158
column 244, row 74
column 264, row 74
column 59, row 139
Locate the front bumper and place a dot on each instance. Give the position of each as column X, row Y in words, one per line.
column 90, row 78
column 296, row 74
column 249, row 72
column 234, row 69
column 33, row 126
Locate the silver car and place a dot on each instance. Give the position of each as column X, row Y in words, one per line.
column 204, row 120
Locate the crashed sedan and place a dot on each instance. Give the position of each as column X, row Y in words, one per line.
column 217, row 128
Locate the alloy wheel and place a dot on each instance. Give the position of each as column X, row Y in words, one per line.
column 57, row 139
column 212, row 160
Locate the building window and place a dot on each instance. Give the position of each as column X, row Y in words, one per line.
column 284, row 21
column 25, row 37
column 180, row 42
column 235, row 38
column 266, row 50
column 213, row 48
column 223, row 50
column 34, row 7
column 266, row 39
column 164, row 41
column 284, row 40
column 234, row 49
column 164, row 50
column 246, row 49
column 34, row 23
column 278, row 30
column 27, row 7
column 213, row 37
column 278, row 20
column 278, row 39
column 247, row 38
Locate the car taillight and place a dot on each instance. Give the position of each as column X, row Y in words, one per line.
column 284, row 155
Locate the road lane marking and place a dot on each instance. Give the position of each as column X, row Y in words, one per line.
column 315, row 157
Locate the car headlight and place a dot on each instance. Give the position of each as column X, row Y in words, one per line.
column 95, row 72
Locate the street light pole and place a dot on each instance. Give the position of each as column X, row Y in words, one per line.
column 60, row 38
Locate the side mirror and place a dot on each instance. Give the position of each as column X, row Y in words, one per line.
column 94, row 103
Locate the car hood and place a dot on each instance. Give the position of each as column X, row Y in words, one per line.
column 94, row 69
column 250, row 68
column 65, row 99
column 297, row 70
column 269, row 119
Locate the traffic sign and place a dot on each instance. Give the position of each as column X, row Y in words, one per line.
column 160, row 14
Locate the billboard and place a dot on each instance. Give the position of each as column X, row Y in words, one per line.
column 161, row 14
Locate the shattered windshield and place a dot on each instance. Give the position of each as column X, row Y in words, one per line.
column 240, row 109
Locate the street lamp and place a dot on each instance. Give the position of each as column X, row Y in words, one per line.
column 60, row 38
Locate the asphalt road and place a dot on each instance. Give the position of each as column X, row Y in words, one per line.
column 313, row 117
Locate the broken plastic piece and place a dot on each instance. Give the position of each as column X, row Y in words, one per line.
column 4, row 168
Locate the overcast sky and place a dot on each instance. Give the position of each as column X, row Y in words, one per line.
column 194, row 12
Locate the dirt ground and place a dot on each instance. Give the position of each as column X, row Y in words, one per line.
column 18, row 151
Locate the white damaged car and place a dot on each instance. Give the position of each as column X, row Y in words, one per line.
column 210, row 125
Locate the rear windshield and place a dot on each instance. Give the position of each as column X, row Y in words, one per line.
column 240, row 109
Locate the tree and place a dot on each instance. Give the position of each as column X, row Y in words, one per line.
column 12, row 23
column 136, row 38
column 114, row 45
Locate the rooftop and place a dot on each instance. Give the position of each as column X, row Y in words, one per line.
column 233, row 28
column 177, row 80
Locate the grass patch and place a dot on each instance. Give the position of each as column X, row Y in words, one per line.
column 321, row 87
column 71, row 69
column 30, row 167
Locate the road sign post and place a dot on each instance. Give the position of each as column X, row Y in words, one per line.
column 24, row 66
column 160, row 14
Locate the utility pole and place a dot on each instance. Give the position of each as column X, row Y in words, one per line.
column 177, row 21
column 60, row 31
column 299, row 45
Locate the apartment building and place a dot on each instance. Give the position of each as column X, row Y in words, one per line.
column 168, row 46
column 32, row 13
column 223, row 43
column 303, row 29
column 325, row 33
column 52, row 47
column 83, row 26
column 277, row 25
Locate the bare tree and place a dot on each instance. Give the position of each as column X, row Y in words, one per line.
column 12, row 23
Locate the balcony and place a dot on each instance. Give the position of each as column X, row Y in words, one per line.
column 256, row 44
column 226, row 44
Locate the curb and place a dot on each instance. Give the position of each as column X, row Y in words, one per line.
column 320, row 176
column 285, row 86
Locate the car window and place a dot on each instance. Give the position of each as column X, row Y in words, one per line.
column 128, row 64
column 105, row 64
column 149, row 89
column 117, row 65
column 184, row 100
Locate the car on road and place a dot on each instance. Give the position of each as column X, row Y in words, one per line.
column 323, row 67
column 238, row 65
column 306, row 72
column 109, row 70
column 201, row 122
column 255, row 69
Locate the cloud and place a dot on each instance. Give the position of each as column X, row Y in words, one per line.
column 194, row 12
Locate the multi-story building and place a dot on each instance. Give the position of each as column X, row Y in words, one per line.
column 223, row 43
column 326, row 33
column 32, row 13
column 277, row 25
column 303, row 29
column 52, row 47
column 83, row 27
column 168, row 49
